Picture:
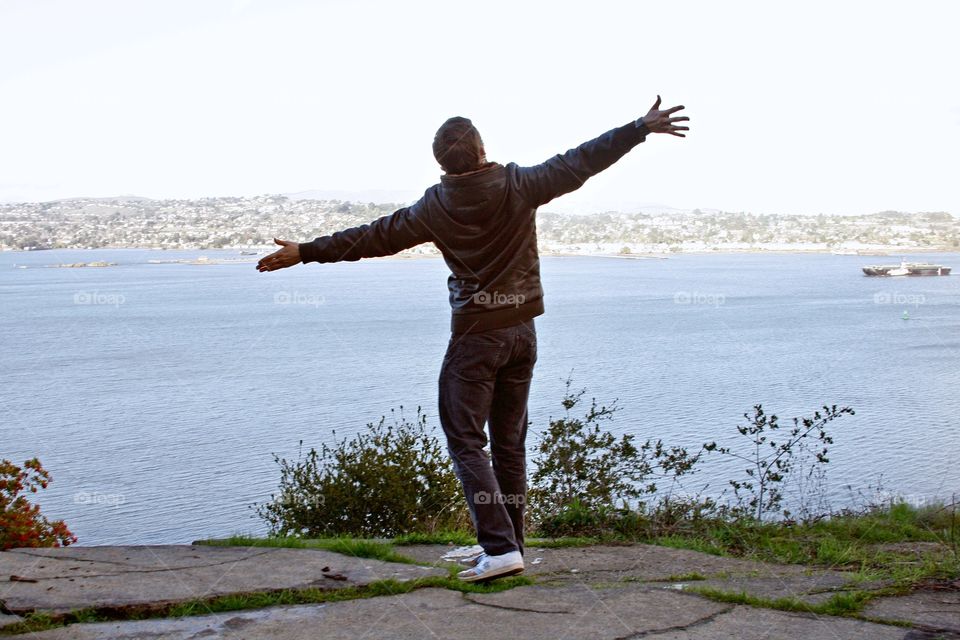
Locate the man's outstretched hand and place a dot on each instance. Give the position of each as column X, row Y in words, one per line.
column 287, row 256
column 660, row 121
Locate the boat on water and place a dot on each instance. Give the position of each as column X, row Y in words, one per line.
column 907, row 269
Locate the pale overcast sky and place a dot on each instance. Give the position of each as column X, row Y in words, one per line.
column 834, row 107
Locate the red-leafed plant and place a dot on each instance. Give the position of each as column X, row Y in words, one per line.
column 21, row 524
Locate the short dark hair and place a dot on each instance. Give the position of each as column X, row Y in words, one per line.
column 457, row 146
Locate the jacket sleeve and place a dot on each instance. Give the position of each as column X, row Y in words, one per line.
column 565, row 173
column 384, row 236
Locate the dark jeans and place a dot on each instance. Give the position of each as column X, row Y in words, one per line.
column 486, row 378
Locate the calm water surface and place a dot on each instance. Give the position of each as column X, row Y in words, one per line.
column 156, row 394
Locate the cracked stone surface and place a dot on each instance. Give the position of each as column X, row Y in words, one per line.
column 571, row 612
column 933, row 609
column 641, row 562
column 815, row 588
column 62, row 579
column 638, row 561
column 748, row 623
column 599, row 592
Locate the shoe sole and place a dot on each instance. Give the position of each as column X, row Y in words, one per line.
column 502, row 573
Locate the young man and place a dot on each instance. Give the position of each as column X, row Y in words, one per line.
column 481, row 216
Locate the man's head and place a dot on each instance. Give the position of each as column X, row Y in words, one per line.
column 458, row 147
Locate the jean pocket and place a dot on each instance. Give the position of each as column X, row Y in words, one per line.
column 474, row 356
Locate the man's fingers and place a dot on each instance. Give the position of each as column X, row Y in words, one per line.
column 280, row 242
column 680, row 129
column 270, row 266
column 674, row 133
column 656, row 105
column 678, row 119
column 674, row 109
column 268, row 260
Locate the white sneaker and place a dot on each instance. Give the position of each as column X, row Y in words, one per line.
column 473, row 560
column 463, row 553
column 489, row 567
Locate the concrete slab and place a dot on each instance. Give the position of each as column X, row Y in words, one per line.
column 748, row 623
column 643, row 562
column 571, row 612
column 638, row 562
column 939, row 610
column 64, row 579
column 814, row 588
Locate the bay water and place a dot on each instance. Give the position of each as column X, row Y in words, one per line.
column 157, row 393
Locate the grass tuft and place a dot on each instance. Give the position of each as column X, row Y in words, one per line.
column 580, row 541
column 356, row 547
column 840, row 604
column 461, row 538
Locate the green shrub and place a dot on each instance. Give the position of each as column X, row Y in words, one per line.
column 389, row 480
column 397, row 480
column 589, row 481
column 771, row 461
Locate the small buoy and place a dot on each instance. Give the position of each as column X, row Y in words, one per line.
column 906, row 316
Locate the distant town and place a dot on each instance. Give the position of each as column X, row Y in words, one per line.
column 250, row 223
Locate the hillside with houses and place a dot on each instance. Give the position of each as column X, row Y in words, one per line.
column 251, row 223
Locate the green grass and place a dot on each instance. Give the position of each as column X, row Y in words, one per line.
column 846, row 542
column 356, row 547
column 496, row 586
column 31, row 623
column 461, row 538
column 692, row 576
column 692, row 543
column 38, row 621
column 839, row 604
column 580, row 541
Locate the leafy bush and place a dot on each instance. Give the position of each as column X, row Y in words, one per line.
column 588, row 479
column 21, row 524
column 389, row 480
column 397, row 479
column 770, row 462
